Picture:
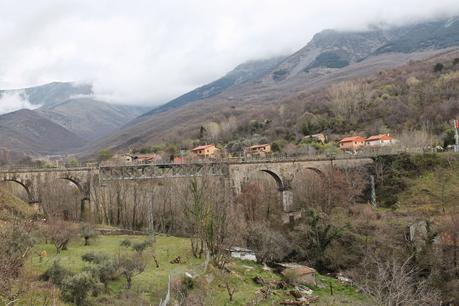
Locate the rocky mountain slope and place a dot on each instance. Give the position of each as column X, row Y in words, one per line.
column 241, row 74
column 29, row 132
column 331, row 56
column 89, row 118
column 74, row 107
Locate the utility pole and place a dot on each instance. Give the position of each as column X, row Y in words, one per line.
column 456, row 127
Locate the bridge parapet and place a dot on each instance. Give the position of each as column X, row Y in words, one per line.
column 152, row 171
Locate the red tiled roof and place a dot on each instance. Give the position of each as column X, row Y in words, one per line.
column 379, row 137
column 147, row 157
column 352, row 139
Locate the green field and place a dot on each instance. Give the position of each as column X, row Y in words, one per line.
column 150, row 286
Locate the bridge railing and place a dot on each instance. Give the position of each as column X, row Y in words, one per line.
column 275, row 157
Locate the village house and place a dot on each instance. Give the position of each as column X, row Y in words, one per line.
column 353, row 143
column 146, row 158
column 258, row 150
column 379, row 140
column 206, row 151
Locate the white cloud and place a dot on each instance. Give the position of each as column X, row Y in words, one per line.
column 13, row 101
column 150, row 51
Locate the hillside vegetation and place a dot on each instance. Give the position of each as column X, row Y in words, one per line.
column 150, row 286
column 415, row 103
column 256, row 91
column 11, row 208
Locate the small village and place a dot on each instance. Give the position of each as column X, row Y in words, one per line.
column 348, row 145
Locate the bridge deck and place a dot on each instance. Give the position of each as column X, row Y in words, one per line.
column 197, row 164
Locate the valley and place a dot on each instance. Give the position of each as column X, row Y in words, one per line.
column 324, row 176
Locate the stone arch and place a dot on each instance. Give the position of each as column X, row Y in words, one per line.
column 26, row 185
column 317, row 171
column 284, row 188
column 279, row 181
column 78, row 184
column 310, row 183
column 85, row 194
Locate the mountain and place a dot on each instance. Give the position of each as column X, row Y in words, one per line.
column 89, row 118
column 74, row 107
column 51, row 94
column 27, row 131
column 241, row 74
column 330, row 57
column 433, row 35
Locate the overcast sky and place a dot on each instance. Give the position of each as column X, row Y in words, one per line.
column 151, row 51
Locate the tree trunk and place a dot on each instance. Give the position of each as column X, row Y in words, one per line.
column 129, row 282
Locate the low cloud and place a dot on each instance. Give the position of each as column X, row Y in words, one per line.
column 13, row 101
column 151, row 51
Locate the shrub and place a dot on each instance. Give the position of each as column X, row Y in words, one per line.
column 104, row 271
column 438, row 67
column 141, row 246
column 104, row 154
column 61, row 233
column 95, row 258
column 129, row 266
column 56, row 274
column 126, row 243
column 75, row 289
column 107, row 271
column 15, row 240
column 270, row 245
column 87, row 232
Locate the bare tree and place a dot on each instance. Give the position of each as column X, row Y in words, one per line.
column 129, row 266
column 348, row 99
column 60, row 233
column 395, row 282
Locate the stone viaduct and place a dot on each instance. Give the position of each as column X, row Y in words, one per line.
column 237, row 172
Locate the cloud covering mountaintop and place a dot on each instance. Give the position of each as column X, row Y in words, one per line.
column 151, row 51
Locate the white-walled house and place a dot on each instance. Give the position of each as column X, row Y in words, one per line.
column 379, row 140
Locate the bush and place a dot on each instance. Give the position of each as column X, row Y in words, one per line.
column 104, row 271
column 104, row 154
column 56, row 274
column 141, row 246
column 95, row 258
column 61, row 233
column 438, row 67
column 129, row 266
column 126, row 243
column 270, row 245
column 15, row 240
column 87, row 232
column 107, row 271
column 75, row 289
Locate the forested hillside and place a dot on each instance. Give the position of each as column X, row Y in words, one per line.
column 415, row 103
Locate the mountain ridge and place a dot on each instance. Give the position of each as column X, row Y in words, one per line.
column 74, row 107
column 28, row 131
column 331, row 56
